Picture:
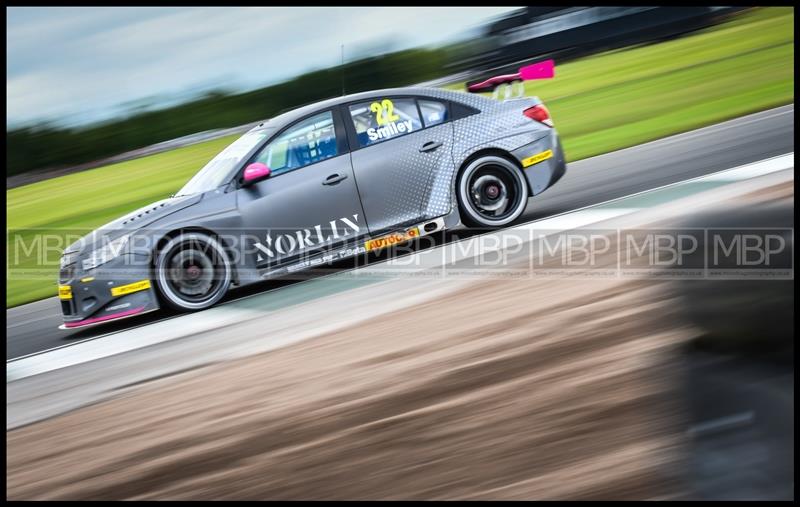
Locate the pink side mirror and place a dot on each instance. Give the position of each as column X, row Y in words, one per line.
column 256, row 172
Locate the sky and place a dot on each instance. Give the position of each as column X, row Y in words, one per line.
column 81, row 64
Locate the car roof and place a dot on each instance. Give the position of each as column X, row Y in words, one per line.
column 296, row 114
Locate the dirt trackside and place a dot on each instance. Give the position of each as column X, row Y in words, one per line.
column 561, row 389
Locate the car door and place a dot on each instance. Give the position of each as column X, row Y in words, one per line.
column 309, row 204
column 402, row 162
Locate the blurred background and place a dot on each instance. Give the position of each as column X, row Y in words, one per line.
column 621, row 389
column 145, row 96
column 92, row 83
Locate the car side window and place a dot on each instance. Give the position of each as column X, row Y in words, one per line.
column 306, row 142
column 380, row 119
column 433, row 112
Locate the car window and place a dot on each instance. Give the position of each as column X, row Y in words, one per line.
column 382, row 119
column 220, row 168
column 309, row 141
column 433, row 112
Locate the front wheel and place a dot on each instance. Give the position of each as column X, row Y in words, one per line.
column 192, row 272
column 492, row 192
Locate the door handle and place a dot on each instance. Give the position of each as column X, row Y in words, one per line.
column 429, row 146
column 333, row 179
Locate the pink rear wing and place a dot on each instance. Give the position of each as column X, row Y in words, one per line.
column 540, row 70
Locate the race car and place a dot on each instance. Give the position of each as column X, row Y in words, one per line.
column 320, row 183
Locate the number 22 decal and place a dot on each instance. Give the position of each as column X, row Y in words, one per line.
column 384, row 111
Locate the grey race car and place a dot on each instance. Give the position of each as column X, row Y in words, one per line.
column 317, row 184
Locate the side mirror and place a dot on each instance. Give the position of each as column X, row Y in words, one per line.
column 256, row 172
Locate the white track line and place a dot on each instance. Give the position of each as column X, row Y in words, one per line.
column 220, row 316
column 745, row 171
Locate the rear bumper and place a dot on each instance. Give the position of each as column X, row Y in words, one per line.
column 542, row 161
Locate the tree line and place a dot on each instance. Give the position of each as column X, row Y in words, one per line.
column 48, row 146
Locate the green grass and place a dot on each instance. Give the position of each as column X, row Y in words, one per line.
column 83, row 201
column 599, row 104
column 630, row 96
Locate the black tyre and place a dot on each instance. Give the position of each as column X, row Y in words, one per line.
column 492, row 192
column 192, row 272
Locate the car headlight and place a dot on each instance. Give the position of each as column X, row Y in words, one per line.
column 106, row 253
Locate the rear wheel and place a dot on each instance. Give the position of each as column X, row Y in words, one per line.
column 192, row 271
column 492, row 192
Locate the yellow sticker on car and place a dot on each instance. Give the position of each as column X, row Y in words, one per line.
column 64, row 292
column 384, row 111
column 131, row 287
column 527, row 162
column 391, row 239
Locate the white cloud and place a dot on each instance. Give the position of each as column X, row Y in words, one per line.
column 81, row 61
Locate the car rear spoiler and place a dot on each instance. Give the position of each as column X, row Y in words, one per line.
column 540, row 70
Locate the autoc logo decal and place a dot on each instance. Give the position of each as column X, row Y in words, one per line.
column 391, row 239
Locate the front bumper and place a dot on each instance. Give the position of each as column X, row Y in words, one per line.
column 118, row 289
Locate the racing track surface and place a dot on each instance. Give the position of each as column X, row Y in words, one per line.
column 33, row 327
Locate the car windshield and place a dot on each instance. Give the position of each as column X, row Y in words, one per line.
column 219, row 168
